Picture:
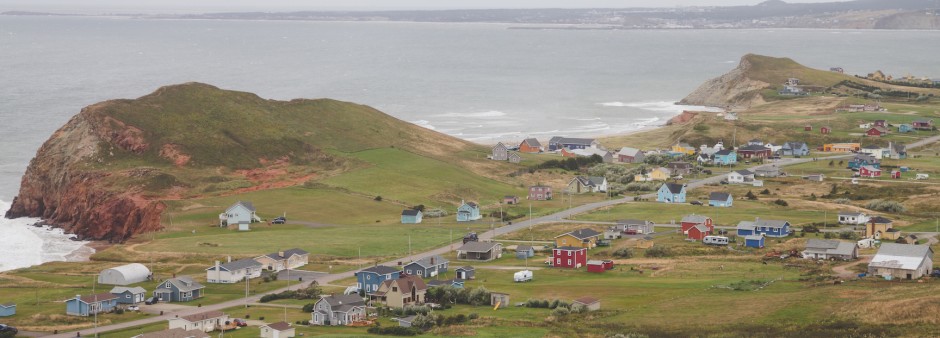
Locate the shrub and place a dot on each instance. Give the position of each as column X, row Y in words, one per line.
column 781, row 203
column 658, row 251
column 810, row 228
column 842, row 201
column 765, row 192
column 378, row 198
column 848, row 234
column 473, row 316
column 623, row 253
column 308, row 308
column 885, row 206
column 560, row 312
column 394, row 330
column 828, row 235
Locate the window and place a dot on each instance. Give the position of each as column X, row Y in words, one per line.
column 569, row 262
column 368, row 277
column 394, row 289
column 559, row 261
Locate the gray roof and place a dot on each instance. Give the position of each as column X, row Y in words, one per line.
column 850, row 213
column 279, row 326
column 675, row 188
column 627, row 151
column 678, row 165
column 879, row 220
column 745, row 225
column 632, row 222
column 203, row 316
column 753, row 237
column 719, row 196
column 597, row 180
column 408, row 319
column 523, row 248
column 770, row 223
column 794, row 145
column 901, row 256
column 381, row 270
column 904, row 250
column 410, row 212
column 238, row 265
column 248, row 205
column 582, row 234
column 693, row 218
column 465, row 268
column 724, row 152
column 753, row 147
column 184, row 283
column 8, row 305
column 555, row 139
column 426, row 261
column 825, row 245
column 133, row 290
column 744, row 172
column 532, row 142
column 287, row 253
column 474, row 246
column 338, row 300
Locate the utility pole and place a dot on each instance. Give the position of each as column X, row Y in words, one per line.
column 246, row 291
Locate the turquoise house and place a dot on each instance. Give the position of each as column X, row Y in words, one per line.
column 671, row 193
column 468, row 211
column 411, row 216
column 725, row 157
column 90, row 305
column 7, row 309
column 720, row 199
column 905, row 128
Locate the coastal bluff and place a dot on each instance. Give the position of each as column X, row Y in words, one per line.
column 735, row 88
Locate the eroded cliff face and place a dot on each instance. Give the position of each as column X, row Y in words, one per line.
column 62, row 186
column 733, row 89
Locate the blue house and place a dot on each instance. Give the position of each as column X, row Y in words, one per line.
column 128, row 295
column 90, row 305
column 794, row 149
column 905, row 128
column 524, row 251
column 725, row 157
column 7, row 309
column 411, row 216
column 427, row 267
column 179, row 289
column 766, row 227
column 468, row 211
column 671, row 193
column 754, row 241
column 720, row 199
column 861, row 160
column 369, row 279
column 455, row 283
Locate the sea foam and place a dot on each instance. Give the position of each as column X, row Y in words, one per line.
column 24, row 245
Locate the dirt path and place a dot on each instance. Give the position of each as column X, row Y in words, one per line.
column 843, row 270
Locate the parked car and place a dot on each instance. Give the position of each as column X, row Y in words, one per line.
column 696, row 203
column 630, row 232
column 4, row 328
column 279, row 220
column 240, row 322
column 151, row 301
column 133, row 308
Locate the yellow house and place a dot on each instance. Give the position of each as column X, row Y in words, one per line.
column 841, row 147
column 881, row 228
column 396, row 293
column 658, row 174
column 681, row 147
column 582, row 238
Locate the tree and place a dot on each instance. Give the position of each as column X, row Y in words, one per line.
column 750, row 195
column 832, row 163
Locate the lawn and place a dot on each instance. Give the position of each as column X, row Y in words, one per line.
column 664, row 213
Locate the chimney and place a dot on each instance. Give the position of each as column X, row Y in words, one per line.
column 280, row 253
column 216, row 265
column 229, row 259
column 432, row 260
column 78, row 296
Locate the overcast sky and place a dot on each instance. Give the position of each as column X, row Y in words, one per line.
column 287, row 5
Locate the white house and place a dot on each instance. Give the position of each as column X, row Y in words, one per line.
column 830, row 249
column 875, row 151
column 233, row 272
column 744, row 177
column 853, row 218
column 277, row 330
column 338, row 310
column 241, row 213
column 773, row 148
column 205, row 321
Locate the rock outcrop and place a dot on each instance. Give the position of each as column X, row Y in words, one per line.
column 62, row 186
column 733, row 89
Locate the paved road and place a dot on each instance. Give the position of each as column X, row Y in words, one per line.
column 489, row 235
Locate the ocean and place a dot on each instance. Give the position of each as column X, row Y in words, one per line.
column 480, row 82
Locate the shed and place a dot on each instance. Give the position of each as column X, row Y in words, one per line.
column 7, row 309
column 128, row 295
column 465, row 272
column 595, row 266
column 124, row 275
column 591, row 303
column 411, row 216
column 905, row 261
column 277, row 330
column 754, row 241
column 406, row 321
column 499, row 300
column 524, row 251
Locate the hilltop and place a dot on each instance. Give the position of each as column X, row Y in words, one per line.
column 107, row 172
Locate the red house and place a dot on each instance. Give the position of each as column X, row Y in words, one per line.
column 881, row 123
column 877, row 131
column 869, row 171
column 530, row 145
column 825, row 130
column 753, row 151
column 599, row 266
column 808, row 128
column 569, row 257
column 692, row 220
column 566, row 153
column 699, row 231
column 895, row 174
column 540, row 193
column 923, row 124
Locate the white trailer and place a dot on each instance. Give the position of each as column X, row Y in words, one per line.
column 522, row 276
column 715, row 240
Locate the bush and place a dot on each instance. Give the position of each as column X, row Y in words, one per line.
column 473, row 316
column 842, row 201
column 394, row 331
column 765, row 192
column 623, row 253
column 848, row 234
column 308, row 308
column 810, row 228
column 658, row 251
column 885, row 206
column 560, row 312
column 750, row 195
column 378, row 198
column 828, row 235
column 781, row 203
column 310, row 292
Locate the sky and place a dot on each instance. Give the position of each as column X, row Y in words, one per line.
column 290, row 5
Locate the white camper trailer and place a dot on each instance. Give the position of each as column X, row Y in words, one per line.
column 522, row 276
column 715, row 240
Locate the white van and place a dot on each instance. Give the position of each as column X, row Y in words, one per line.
column 715, row 240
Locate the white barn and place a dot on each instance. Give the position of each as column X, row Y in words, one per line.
column 124, row 275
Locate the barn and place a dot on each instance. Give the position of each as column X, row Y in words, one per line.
column 599, row 265
column 124, row 275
